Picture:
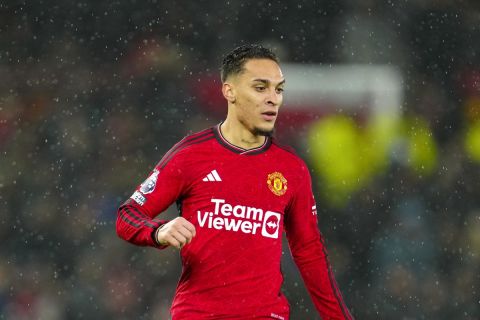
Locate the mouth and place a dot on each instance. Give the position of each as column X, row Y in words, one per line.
column 269, row 115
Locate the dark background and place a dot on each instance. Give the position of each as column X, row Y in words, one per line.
column 92, row 93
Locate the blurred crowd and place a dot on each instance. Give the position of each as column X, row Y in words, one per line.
column 93, row 94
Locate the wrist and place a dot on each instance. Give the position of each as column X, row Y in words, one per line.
column 155, row 236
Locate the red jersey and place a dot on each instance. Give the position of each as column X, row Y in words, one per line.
column 240, row 202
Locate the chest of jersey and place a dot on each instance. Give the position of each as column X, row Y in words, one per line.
column 242, row 194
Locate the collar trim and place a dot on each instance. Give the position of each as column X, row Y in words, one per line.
column 239, row 150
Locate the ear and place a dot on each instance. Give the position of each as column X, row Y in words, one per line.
column 228, row 92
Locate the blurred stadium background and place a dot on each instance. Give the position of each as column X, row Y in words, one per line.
column 92, row 93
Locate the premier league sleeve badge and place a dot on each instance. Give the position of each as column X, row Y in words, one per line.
column 149, row 184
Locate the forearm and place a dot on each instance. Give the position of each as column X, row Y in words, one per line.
column 314, row 266
column 136, row 227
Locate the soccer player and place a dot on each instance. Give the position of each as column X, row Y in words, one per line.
column 237, row 191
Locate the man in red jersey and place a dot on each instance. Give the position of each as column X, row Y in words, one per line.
column 237, row 191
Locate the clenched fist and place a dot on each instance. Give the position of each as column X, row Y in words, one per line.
column 176, row 233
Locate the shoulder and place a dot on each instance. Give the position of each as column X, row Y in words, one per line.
column 289, row 155
column 188, row 144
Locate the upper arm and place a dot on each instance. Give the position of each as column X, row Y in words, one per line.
column 301, row 224
column 165, row 184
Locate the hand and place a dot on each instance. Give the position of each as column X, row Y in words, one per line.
column 176, row 233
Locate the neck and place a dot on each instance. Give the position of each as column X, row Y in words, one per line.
column 238, row 135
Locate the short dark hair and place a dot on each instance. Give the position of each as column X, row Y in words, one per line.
column 234, row 61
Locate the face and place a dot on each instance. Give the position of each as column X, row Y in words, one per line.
column 256, row 95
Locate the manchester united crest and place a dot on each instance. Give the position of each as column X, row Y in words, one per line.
column 277, row 183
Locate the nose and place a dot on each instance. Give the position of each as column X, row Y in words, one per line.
column 274, row 98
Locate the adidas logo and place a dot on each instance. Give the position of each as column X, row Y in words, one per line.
column 212, row 176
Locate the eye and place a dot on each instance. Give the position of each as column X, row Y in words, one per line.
column 280, row 90
column 260, row 89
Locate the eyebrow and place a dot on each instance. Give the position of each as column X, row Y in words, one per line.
column 265, row 81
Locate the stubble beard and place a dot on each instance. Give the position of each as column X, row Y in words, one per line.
column 263, row 132
column 258, row 131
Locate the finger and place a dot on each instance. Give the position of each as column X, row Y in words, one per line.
column 190, row 227
column 180, row 238
column 186, row 233
column 172, row 241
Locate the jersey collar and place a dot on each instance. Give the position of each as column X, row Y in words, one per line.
column 224, row 142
